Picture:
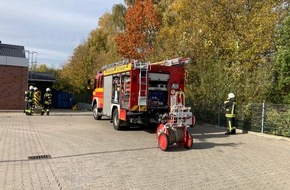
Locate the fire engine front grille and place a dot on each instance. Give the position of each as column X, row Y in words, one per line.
column 39, row 157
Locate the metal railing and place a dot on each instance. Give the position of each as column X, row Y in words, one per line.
column 271, row 118
column 264, row 117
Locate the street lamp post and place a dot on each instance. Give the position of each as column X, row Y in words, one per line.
column 32, row 59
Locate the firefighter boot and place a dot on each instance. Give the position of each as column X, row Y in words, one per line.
column 42, row 112
column 47, row 113
column 228, row 132
column 233, row 131
column 28, row 112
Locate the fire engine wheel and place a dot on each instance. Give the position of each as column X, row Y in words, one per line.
column 96, row 113
column 163, row 141
column 116, row 120
column 188, row 143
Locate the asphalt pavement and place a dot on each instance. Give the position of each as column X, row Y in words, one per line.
column 70, row 150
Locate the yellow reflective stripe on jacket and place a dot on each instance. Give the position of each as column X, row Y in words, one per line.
column 231, row 114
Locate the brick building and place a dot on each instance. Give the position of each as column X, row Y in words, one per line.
column 13, row 77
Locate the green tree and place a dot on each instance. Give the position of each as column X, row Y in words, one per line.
column 229, row 42
column 43, row 68
column 118, row 17
column 281, row 89
column 129, row 2
column 76, row 72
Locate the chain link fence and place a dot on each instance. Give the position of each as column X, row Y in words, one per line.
column 84, row 98
column 271, row 119
column 265, row 118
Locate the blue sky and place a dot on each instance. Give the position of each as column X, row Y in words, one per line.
column 52, row 28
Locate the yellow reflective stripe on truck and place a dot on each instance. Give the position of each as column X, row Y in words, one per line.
column 136, row 108
column 98, row 90
column 118, row 69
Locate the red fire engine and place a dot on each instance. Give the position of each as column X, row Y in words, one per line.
column 133, row 92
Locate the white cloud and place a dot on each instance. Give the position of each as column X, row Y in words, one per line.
column 43, row 56
column 52, row 28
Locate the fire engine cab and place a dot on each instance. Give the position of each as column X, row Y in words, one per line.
column 134, row 92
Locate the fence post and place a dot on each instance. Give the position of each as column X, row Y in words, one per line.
column 263, row 117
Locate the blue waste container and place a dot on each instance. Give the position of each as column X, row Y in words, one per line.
column 63, row 99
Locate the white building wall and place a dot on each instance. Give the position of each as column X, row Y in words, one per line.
column 14, row 61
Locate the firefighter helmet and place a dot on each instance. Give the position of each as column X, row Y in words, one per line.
column 231, row 95
column 48, row 89
column 30, row 87
column 35, row 88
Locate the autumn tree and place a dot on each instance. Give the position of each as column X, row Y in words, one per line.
column 141, row 26
column 230, row 43
column 132, row 2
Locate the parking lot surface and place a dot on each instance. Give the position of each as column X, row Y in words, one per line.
column 71, row 150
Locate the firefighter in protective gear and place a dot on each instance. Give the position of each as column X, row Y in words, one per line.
column 29, row 100
column 230, row 109
column 47, row 97
column 26, row 100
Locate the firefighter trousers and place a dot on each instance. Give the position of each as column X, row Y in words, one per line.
column 231, row 127
column 46, row 107
column 29, row 107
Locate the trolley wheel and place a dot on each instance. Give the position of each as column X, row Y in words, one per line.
column 116, row 120
column 163, row 141
column 188, row 141
column 159, row 128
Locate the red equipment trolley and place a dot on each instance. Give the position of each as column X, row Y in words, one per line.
column 174, row 129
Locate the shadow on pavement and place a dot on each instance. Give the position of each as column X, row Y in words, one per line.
column 85, row 154
column 70, row 114
column 198, row 146
column 202, row 132
column 208, row 145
